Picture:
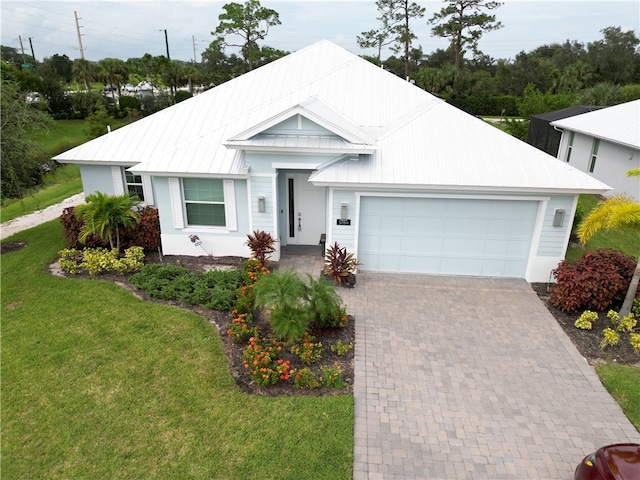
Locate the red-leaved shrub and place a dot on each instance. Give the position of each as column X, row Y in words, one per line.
column 146, row 234
column 592, row 283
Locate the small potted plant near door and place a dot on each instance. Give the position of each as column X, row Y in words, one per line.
column 340, row 266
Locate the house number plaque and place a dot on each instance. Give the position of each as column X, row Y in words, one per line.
column 343, row 221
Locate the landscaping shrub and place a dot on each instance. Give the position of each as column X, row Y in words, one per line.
column 282, row 293
column 145, row 234
column 182, row 95
column 324, row 302
column 339, row 265
column 305, row 379
column 131, row 103
column 594, row 282
column 215, row 289
column 308, row 350
column 260, row 358
column 261, row 245
column 98, row 260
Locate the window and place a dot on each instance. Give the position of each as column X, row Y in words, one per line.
column 570, row 147
column 594, row 154
column 134, row 184
column 204, row 201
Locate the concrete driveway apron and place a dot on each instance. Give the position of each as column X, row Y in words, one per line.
column 459, row 377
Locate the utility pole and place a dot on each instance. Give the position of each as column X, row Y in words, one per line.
column 193, row 41
column 32, row 54
column 166, row 41
column 79, row 35
column 21, row 48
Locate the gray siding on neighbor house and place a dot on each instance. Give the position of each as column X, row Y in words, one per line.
column 553, row 240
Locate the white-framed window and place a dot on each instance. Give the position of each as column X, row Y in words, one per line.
column 594, row 154
column 134, row 184
column 204, row 201
column 570, row 147
column 129, row 182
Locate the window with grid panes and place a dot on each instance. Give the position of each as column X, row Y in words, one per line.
column 204, row 201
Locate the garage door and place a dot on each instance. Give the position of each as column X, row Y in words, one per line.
column 446, row 236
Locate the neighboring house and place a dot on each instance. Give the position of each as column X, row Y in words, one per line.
column 323, row 142
column 544, row 136
column 605, row 144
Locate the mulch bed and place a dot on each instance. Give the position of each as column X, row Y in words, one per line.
column 588, row 341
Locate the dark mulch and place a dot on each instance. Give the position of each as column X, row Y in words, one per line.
column 9, row 247
column 588, row 341
column 221, row 321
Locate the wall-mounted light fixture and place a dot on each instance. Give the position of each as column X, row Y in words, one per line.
column 344, row 209
column 262, row 204
column 558, row 217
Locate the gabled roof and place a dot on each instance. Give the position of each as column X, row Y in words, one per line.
column 404, row 135
column 618, row 124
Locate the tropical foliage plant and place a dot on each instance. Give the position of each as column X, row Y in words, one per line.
column 261, row 245
column 282, row 294
column 617, row 212
column 105, row 215
column 594, row 282
column 339, row 265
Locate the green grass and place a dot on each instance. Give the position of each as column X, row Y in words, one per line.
column 623, row 382
column 64, row 134
column 61, row 184
column 99, row 384
column 622, row 240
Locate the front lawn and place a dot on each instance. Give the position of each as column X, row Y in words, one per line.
column 623, row 382
column 99, row 384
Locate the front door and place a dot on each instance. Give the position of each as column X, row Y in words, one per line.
column 306, row 210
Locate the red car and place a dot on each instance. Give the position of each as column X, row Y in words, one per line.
column 613, row 462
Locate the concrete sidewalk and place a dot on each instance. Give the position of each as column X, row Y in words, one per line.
column 36, row 218
column 468, row 378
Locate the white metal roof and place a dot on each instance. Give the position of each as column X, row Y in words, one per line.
column 618, row 124
column 412, row 138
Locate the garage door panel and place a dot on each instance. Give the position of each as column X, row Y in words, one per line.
column 451, row 236
column 419, row 263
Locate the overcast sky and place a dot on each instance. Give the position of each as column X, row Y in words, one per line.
column 124, row 29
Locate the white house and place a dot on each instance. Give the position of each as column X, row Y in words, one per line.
column 322, row 142
column 605, row 144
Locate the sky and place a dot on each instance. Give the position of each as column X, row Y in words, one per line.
column 125, row 29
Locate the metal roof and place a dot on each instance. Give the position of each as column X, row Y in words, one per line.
column 618, row 124
column 410, row 137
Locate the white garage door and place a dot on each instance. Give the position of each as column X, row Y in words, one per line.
column 446, row 236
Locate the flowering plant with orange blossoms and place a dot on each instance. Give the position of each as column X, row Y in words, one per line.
column 260, row 359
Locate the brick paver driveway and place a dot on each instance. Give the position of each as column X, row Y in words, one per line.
column 470, row 378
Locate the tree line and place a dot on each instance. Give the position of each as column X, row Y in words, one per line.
column 554, row 76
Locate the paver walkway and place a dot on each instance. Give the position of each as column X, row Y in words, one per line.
column 470, row 378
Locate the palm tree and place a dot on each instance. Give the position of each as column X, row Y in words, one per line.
column 83, row 71
column 105, row 214
column 113, row 71
column 617, row 212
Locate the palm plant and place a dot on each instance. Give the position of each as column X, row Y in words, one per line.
column 104, row 215
column 324, row 302
column 282, row 294
column 617, row 212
